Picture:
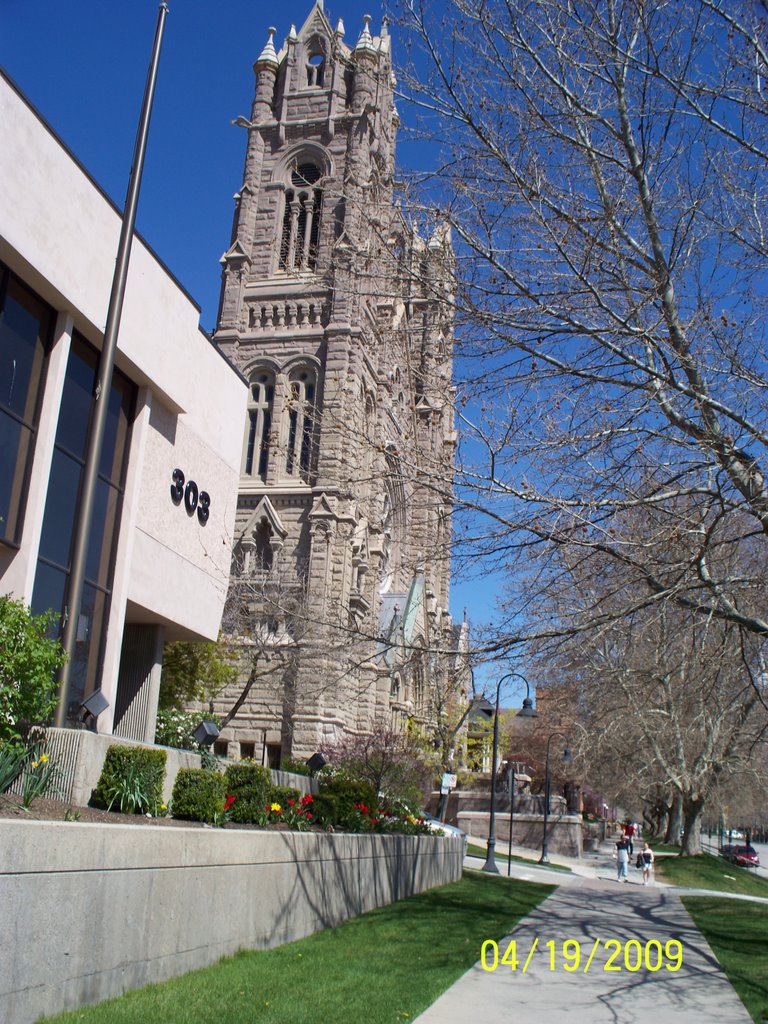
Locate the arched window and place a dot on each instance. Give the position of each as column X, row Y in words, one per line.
column 301, row 414
column 260, row 402
column 316, row 70
column 263, row 547
column 301, row 220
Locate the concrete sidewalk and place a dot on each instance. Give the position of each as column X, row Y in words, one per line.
column 585, row 910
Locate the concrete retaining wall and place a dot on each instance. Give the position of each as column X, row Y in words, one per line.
column 563, row 831
column 90, row 911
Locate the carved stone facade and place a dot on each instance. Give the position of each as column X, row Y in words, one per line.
column 335, row 310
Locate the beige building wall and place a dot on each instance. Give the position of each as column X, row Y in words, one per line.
column 59, row 235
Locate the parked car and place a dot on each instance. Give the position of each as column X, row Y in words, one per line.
column 734, row 834
column 743, row 856
column 435, row 825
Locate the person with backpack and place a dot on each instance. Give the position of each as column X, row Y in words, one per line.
column 648, row 860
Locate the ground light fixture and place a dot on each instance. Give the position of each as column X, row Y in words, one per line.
column 92, row 707
column 527, row 711
column 316, row 762
column 206, row 734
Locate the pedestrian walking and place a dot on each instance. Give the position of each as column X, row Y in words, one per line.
column 648, row 860
column 629, row 835
column 622, row 859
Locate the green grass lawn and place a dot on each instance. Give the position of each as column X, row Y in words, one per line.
column 385, row 966
column 708, row 872
column 659, row 847
column 738, row 934
column 479, row 851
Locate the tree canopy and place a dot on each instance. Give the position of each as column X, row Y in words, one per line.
column 604, row 175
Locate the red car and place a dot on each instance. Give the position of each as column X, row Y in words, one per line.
column 743, row 856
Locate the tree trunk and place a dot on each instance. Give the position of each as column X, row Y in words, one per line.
column 252, row 677
column 693, row 808
column 674, row 821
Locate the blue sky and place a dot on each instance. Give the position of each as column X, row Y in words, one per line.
column 83, row 65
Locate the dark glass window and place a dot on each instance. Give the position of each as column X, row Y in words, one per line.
column 256, row 456
column 62, row 503
column 26, row 325
column 300, row 424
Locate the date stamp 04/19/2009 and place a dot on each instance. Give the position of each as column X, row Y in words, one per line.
column 576, row 957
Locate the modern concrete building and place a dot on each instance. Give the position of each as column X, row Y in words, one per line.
column 159, row 559
column 340, row 316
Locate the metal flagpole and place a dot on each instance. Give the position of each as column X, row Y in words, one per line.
column 95, row 439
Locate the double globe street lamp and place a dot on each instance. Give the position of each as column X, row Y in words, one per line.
column 527, row 711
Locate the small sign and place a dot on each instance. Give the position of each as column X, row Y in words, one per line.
column 448, row 783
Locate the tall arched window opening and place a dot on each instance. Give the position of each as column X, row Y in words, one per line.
column 301, row 406
column 301, row 220
column 263, row 547
column 316, row 70
column 256, row 458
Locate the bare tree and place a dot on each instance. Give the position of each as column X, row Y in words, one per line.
column 669, row 706
column 397, row 763
column 605, row 176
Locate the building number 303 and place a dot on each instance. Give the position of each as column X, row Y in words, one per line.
column 194, row 499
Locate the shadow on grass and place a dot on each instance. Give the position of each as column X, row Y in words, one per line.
column 707, row 872
column 387, row 965
column 738, row 934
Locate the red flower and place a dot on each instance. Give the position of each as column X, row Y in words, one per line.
column 291, row 803
column 229, row 801
column 307, row 799
column 309, row 816
column 362, row 808
column 374, row 821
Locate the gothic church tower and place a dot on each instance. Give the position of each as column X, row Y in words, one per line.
column 336, row 313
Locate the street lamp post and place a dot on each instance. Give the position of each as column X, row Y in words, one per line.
column 544, row 858
column 511, row 817
column 526, row 711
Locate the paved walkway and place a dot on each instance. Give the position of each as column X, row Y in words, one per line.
column 589, row 906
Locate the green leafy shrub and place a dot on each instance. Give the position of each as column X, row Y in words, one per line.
column 251, row 786
column 194, row 671
column 335, row 804
column 288, row 764
column 13, row 757
column 131, row 780
column 200, row 795
column 282, row 794
column 29, row 659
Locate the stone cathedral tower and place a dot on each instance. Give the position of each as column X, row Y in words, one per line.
column 335, row 312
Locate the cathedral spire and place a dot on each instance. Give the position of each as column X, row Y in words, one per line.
column 365, row 42
column 268, row 55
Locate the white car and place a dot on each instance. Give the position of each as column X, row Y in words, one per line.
column 735, row 834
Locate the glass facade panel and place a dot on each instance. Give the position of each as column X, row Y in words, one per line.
column 60, row 508
column 62, row 504
column 75, row 414
column 26, row 325
column 15, row 450
column 86, row 660
column 50, row 582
